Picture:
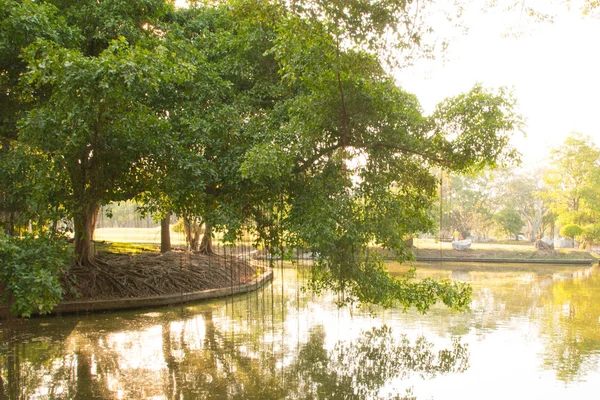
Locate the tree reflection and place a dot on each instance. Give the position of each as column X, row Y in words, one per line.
column 259, row 346
column 571, row 328
column 205, row 361
column 360, row 369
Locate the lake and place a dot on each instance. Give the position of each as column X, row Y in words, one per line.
column 533, row 332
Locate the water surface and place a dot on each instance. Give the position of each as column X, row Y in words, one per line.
column 532, row 332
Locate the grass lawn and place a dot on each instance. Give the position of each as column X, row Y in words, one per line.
column 149, row 240
column 136, row 235
column 150, row 236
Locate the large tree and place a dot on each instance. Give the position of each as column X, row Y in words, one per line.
column 353, row 153
column 570, row 183
column 275, row 114
column 25, row 190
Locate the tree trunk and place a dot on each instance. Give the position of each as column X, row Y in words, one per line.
column 85, row 224
column 193, row 229
column 206, row 246
column 165, row 233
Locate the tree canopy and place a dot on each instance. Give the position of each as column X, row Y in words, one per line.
column 280, row 117
column 571, row 183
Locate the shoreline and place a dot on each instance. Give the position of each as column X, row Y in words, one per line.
column 509, row 260
column 88, row 306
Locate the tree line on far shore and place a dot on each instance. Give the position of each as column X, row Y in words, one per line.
column 560, row 198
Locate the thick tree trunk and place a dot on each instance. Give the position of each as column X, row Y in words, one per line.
column 85, row 224
column 193, row 229
column 206, row 246
column 165, row 233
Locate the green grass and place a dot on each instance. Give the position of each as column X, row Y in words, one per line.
column 136, row 240
column 125, row 248
column 136, row 235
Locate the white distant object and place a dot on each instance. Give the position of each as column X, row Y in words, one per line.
column 548, row 241
column 564, row 243
column 461, row 245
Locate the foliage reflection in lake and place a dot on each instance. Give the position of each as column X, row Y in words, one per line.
column 535, row 328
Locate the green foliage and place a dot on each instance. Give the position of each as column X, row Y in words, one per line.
column 281, row 116
column 522, row 193
column 509, row 220
column 366, row 281
column 591, row 233
column 467, row 205
column 178, row 227
column 31, row 271
column 473, row 129
column 571, row 230
column 571, row 183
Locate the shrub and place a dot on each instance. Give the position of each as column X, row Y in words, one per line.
column 591, row 233
column 30, row 271
column 571, row 231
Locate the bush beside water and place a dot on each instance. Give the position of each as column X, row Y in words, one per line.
column 30, row 272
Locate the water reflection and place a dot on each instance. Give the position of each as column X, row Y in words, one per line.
column 361, row 369
column 571, row 327
column 534, row 326
column 194, row 358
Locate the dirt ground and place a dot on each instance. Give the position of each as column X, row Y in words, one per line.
column 153, row 274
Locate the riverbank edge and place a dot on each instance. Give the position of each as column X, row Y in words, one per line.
column 509, row 260
column 85, row 306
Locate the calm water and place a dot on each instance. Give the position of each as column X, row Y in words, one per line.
column 533, row 332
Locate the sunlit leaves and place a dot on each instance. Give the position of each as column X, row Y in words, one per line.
column 473, row 129
column 571, row 182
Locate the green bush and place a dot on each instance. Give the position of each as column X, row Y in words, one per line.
column 30, row 271
column 571, row 231
column 591, row 233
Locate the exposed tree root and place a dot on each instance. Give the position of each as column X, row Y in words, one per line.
column 153, row 274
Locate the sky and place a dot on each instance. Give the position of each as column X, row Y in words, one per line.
column 553, row 69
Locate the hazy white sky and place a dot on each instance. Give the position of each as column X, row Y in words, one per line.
column 554, row 69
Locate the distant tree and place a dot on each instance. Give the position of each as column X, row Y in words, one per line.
column 468, row 204
column 591, row 234
column 570, row 182
column 571, row 231
column 522, row 193
column 510, row 221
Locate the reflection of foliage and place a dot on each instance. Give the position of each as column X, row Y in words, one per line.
column 360, row 369
column 571, row 328
column 218, row 366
